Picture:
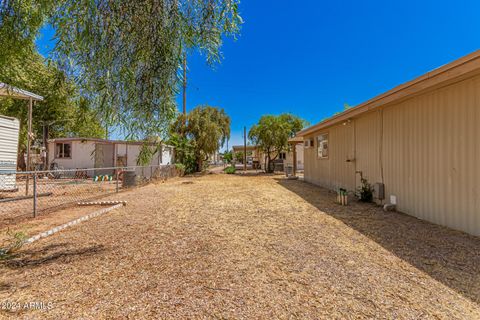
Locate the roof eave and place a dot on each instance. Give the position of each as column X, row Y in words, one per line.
column 16, row 93
column 458, row 69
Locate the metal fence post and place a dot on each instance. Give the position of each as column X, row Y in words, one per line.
column 34, row 195
column 116, row 187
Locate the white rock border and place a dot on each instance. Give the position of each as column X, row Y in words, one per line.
column 72, row 223
column 101, row 203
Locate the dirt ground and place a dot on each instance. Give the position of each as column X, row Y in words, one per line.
column 56, row 193
column 233, row 246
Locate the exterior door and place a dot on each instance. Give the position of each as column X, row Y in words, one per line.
column 104, row 155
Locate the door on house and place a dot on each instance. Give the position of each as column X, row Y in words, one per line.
column 104, row 155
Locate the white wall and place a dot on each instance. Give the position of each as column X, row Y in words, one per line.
column 132, row 154
column 300, row 157
column 167, row 155
column 134, row 151
column 82, row 155
column 9, row 129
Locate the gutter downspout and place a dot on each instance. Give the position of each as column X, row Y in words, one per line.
column 380, row 147
column 355, row 154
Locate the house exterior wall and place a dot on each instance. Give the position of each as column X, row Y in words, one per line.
column 82, row 155
column 425, row 149
column 261, row 157
column 133, row 152
column 157, row 159
column 167, row 155
column 300, row 157
column 333, row 172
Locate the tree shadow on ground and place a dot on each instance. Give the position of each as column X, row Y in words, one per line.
column 259, row 173
column 58, row 253
column 451, row 257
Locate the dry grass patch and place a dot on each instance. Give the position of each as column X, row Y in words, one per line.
column 247, row 247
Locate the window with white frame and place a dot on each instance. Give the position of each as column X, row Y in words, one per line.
column 63, row 150
column 282, row 156
column 322, row 146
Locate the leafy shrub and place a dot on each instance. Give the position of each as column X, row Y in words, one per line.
column 15, row 242
column 230, row 170
column 239, row 156
column 184, row 153
column 180, row 168
column 228, row 157
column 365, row 191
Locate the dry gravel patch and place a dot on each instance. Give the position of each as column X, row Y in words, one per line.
column 222, row 246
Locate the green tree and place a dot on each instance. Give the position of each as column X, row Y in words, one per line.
column 228, row 157
column 208, row 128
column 201, row 134
column 62, row 112
column 125, row 55
column 271, row 135
column 239, row 156
column 184, row 152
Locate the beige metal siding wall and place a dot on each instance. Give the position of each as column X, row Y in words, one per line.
column 430, row 151
column 431, row 155
column 367, row 142
column 334, row 172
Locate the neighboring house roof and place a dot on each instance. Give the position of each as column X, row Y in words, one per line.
column 13, row 92
column 296, row 139
column 455, row 71
column 62, row 140
column 241, row 148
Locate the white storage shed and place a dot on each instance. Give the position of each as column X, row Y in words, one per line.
column 9, row 130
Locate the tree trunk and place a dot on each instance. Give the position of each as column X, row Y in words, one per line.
column 199, row 163
column 21, row 161
column 269, row 168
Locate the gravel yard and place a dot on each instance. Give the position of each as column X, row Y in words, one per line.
column 232, row 246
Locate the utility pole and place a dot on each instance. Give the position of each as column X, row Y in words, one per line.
column 245, row 149
column 224, row 164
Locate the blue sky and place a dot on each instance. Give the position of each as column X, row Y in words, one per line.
column 310, row 57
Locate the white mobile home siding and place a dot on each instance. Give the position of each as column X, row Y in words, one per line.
column 9, row 130
column 83, row 154
column 426, row 149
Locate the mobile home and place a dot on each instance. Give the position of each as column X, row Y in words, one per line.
column 9, row 130
column 419, row 143
column 85, row 153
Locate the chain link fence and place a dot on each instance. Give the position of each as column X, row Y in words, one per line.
column 29, row 194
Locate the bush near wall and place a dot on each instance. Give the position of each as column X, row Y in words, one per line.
column 230, row 170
